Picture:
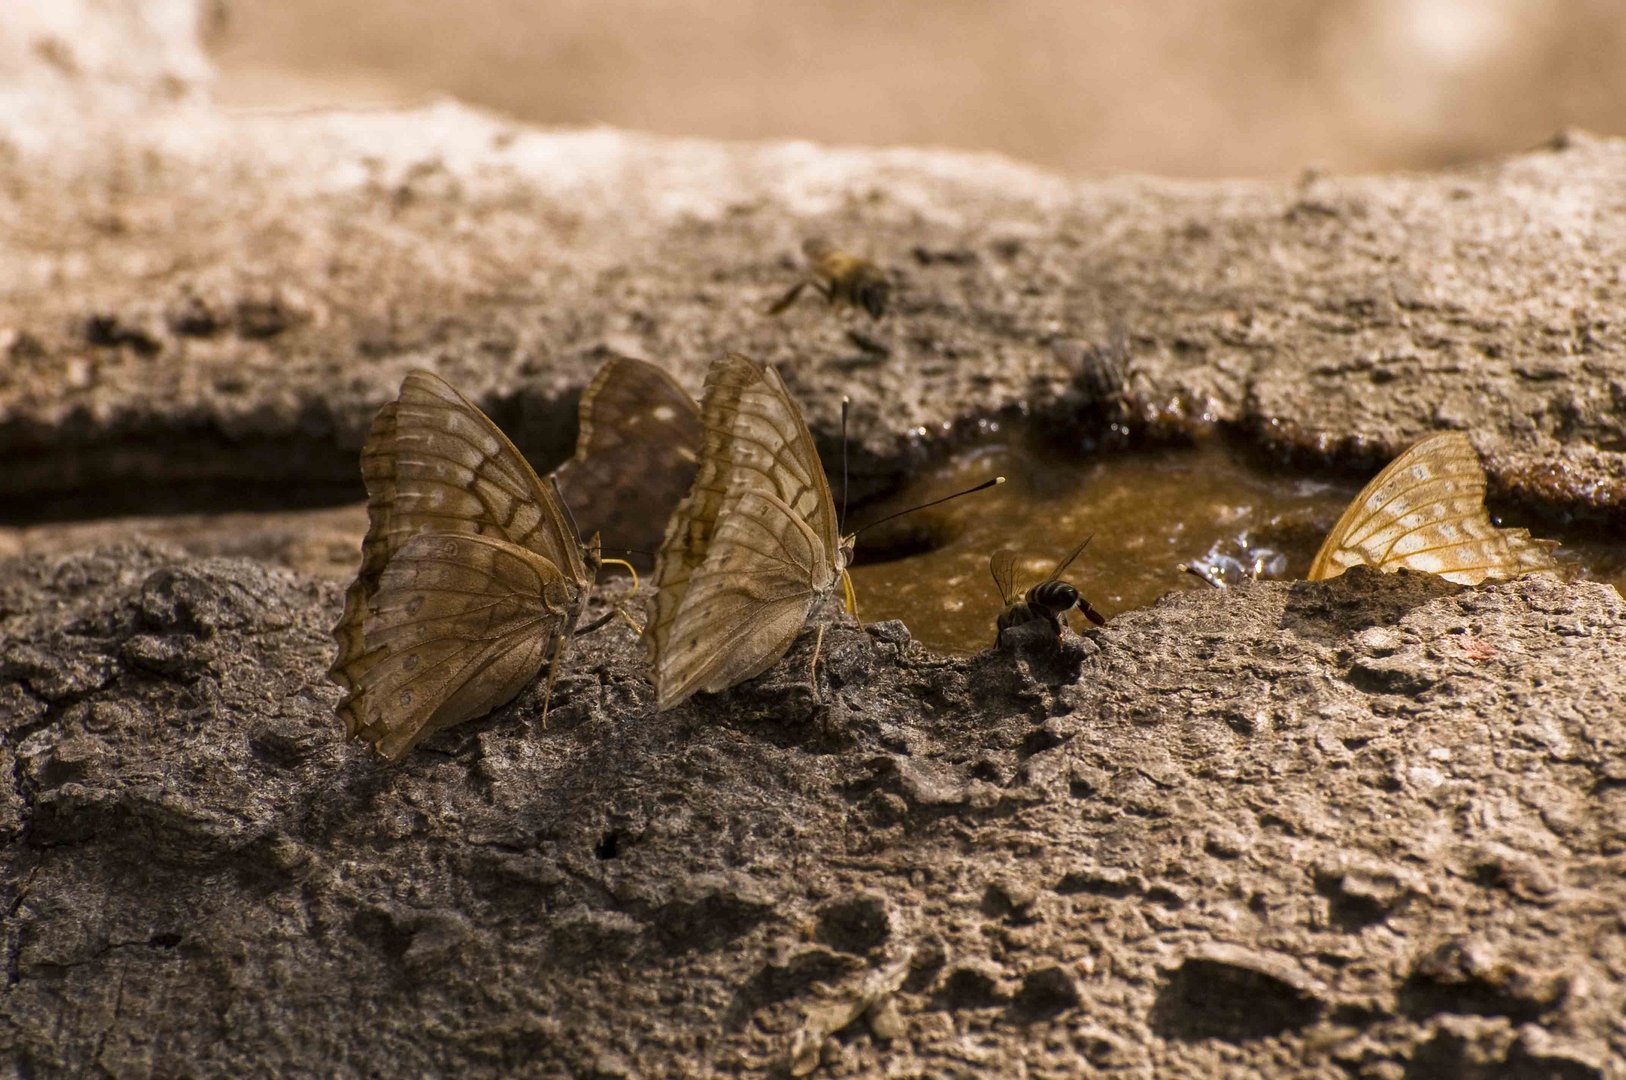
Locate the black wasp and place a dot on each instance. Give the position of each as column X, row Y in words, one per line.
column 1050, row 599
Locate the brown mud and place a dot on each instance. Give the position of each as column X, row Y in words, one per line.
column 1355, row 827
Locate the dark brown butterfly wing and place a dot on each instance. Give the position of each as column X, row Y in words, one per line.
column 636, row 456
column 458, row 626
column 434, row 462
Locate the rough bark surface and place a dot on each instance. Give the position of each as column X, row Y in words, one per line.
column 1370, row 826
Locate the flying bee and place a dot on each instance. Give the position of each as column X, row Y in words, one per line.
column 842, row 279
column 1050, row 599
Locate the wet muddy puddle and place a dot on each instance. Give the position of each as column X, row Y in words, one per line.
column 1149, row 511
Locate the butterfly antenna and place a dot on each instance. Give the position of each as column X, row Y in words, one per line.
column 637, row 583
column 984, row 486
column 570, row 515
column 841, row 523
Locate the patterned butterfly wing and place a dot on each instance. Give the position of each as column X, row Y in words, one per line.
column 753, row 547
column 459, row 625
column 1426, row 511
column 378, row 472
column 434, row 462
column 747, row 602
column 455, row 471
column 635, row 458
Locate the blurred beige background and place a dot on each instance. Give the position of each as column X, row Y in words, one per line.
column 1188, row 88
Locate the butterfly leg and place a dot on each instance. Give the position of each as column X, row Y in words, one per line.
column 637, row 584
column 849, row 594
column 813, row 668
column 554, row 660
column 616, row 612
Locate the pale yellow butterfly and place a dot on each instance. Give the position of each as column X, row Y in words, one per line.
column 1426, row 511
column 471, row 577
column 753, row 549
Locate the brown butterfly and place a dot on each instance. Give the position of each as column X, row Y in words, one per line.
column 471, row 574
column 636, row 455
column 841, row 278
column 753, row 549
column 1049, row 600
column 1426, row 511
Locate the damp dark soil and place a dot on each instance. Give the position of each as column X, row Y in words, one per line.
column 1369, row 827
column 1357, row 827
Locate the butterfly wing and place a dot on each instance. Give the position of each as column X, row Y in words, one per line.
column 433, row 462
column 378, row 472
column 747, row 601
column 636, row 455
column 455, row 471
column 755, row 442
column 459, row 625
column 1426, row 511
column 771, row 441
